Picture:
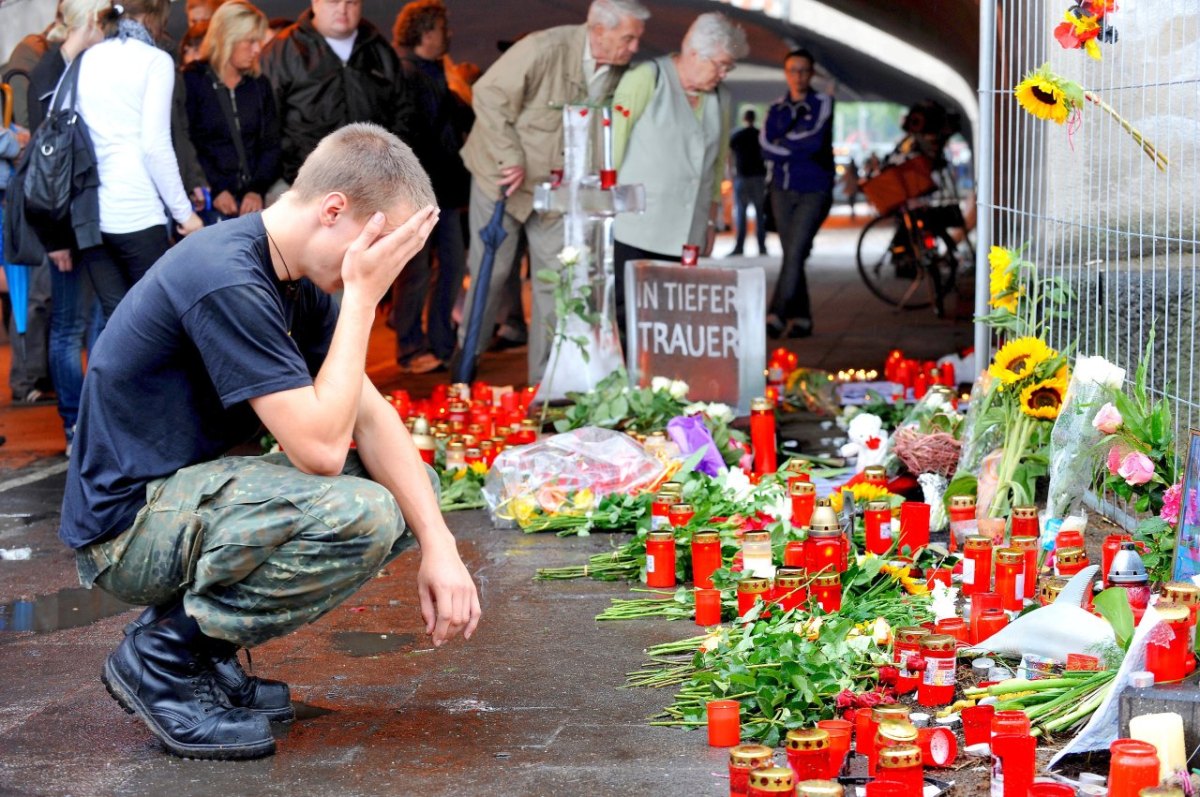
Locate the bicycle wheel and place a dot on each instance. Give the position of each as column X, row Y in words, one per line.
column 888, row 265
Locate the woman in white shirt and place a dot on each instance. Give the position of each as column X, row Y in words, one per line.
column 125, row 88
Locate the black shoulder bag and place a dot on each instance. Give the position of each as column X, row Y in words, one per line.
column 50, row 172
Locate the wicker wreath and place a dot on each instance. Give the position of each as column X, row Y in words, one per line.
column 927, row 453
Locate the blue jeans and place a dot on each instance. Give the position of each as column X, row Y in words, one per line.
column 413, row 288
column 749, row 191
column 69, row 314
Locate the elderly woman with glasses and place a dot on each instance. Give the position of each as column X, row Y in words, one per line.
column 671, row 121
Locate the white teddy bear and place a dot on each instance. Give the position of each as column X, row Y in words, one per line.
column 868, row 442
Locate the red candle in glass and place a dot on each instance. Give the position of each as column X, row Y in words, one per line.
column 790, row 590
column 762, row 435
column 706, row 557
column 749, row 592
column 608, row 178
column 1133, row 766
column 804, row 500
column 981, row 602
column 1112, row 544
column 948, row 376
column 1069, row 539
column 940, row 652
column 902, row 764
column 914, row 525
column 724, row 723
column 793, row 554
column 977, row 724
column 991, row 621
column 771, row 782
column 708, row 606
column 839, row 732
column 864, row 732
column 977, row 565
column 1010, row 578
column 877, row 526
column 1012, row 722
column 1024, row 521
column 1013, row 758
column 660, row 559
column 907, row 643
column 1047, row 789
column 823, row 550
column 680, row 514
column 808, row 753
column 886, row 788
column 1168, row 652
column 690, row 256
column 1029, row 547
column 743, row 759
column 827, row 589
column 660, row 509
column 920, row 386
column 955, row 627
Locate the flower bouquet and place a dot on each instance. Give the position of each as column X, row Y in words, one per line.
column 1075, row 434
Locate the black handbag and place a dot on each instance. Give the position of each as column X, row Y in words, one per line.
column 22, row 246
column 49, row 179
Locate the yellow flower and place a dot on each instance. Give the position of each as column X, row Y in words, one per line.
column 863, row 494
column 1018, row 358
column 524, row 507
column 584, row 499
column 1044, row 399
column 1043, row 94
column 479, row 468
column 1000, row 280
column 913, row 586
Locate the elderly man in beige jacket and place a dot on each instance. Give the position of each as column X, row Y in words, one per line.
column 517, row 142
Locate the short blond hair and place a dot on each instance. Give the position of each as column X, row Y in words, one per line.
column 76, row 14
column 233, row 22
column 373, row 168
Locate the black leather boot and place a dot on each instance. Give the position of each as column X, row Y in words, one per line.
column 263, row 696
column 161, row 673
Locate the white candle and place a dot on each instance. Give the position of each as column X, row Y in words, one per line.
column 1165, row 732
column 606, row 135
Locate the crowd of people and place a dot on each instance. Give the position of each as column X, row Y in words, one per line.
column 266, row 168
column 217, row 126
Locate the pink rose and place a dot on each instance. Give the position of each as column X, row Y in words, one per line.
column 1136, row 468
column 1108, row 420
column 1116, row 453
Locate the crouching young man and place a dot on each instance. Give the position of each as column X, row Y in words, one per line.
column 232, row 328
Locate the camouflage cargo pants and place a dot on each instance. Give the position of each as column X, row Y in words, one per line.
column 254, row 547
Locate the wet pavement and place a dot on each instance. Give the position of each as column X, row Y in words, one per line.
column 532, row 705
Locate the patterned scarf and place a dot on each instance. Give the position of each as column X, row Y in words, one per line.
column 132, row 29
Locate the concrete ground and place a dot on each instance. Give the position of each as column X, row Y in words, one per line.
column 530, row 706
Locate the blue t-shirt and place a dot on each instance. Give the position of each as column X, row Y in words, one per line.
column 207, row 328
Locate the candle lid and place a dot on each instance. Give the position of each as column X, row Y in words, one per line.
column 962, row 502
column 529, row 424
column 901, row 756
column 751, row 756
column 660, row 536
column 756, row 536
column 802, row 488
column 790, row 572
column 879, row 506
column 1023, row 543
column 978, row 541
column 823, row 516
column 890, row 711
column 824, row 532
column 790, row 580
column 679, row 508
column 807, row 739
column 1172, row 612
column 1051, row 587
column 939, row 642
column 797, row 465
column 1025, row 512
column 911, row 633
column 773, row 779
column 1182, row 592
column 754, row 585
column 819, row 788
column 1071, row 556
column 706, row 536
column 1010, row 556
column 897, row 731
column 456, row 445
column 827, row 580
column 874, row 472
column 1161, row 791
column 662, row 497
column 761, row 404
column 671, row 487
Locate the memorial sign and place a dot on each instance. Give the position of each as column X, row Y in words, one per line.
column 705, row 325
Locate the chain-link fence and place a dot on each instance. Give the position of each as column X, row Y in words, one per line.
column 1090, row 206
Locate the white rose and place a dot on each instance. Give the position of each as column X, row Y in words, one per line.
column 660, row 383
column 678, row 389
column 737, row 486
column 696, row 407
column 1099, row 371
column 720, row 412
column 569, row 256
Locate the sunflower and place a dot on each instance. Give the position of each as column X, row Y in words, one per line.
column 1000, row 280
column 863, row 494
column 1048, row 96
column 1018, row 358
column 1044, row 399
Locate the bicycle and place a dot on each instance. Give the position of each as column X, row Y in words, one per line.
column 909, row 245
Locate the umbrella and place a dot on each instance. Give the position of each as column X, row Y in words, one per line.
column 492, row 235
column 18, row 294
